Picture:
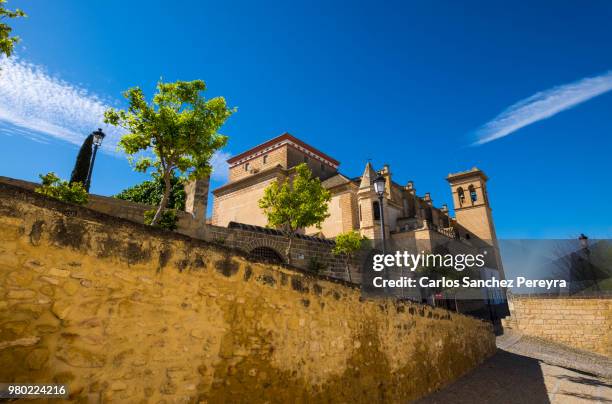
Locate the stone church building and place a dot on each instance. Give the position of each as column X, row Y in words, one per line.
column 412, row 222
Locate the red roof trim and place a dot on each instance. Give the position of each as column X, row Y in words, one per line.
column 271, row 142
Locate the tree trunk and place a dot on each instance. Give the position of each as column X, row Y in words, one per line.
column 348, row 269
column 164, row 201
column 288, row 250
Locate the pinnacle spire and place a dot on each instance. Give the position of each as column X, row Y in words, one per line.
column 368, row 176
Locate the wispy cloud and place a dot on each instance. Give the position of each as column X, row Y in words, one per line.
column 38, row 105
column 220, row 167
column 32, row 99
column 543, row 105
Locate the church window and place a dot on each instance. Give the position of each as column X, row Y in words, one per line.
column 246, row 166
column 461, row 195
column 265, row 159
column 305, row 159
column 473, row 195
column 360, row 219
column 376, row 210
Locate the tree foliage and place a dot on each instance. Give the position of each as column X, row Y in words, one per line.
column 296, row 204
column 168, row 219
column 150, row 192
column 83, row 161
column 7, row 42
column 179, row 127
column 54, row 187
column 347, row 245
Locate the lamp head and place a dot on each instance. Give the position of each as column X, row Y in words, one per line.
column 98, row 137
column 379, row 185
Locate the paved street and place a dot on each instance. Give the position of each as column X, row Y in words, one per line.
column 511, row 377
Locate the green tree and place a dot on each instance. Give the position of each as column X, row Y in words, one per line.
column 179, row 127
column 347, row 245
column 83, row 161
column 296, row 204
column 151, row 192
column 54, row 187
column 7, row 42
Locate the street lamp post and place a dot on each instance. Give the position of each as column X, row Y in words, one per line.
column 98, row 136
column 584, row 244
column 379, row 188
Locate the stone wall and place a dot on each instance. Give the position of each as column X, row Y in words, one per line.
column 304, row 251
column 124, row 312
column 584, row 323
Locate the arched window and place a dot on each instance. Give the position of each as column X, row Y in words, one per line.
column 376, row 210
column 473, row 195
column 461, row 195
column 360, row 218
column 265, row 254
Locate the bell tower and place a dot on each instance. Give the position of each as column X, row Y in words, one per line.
column 472, row 209
column 471, row 202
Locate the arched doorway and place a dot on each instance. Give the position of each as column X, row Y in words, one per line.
column 265, row 254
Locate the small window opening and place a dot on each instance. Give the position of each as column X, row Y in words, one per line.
column 473, row 195
column 376, row 210
column 461, row 195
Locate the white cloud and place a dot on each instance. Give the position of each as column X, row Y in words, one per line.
column 543, row 105
column 33, row 100
column 37, row 105
column 220, row 168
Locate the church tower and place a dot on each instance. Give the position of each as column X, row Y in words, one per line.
column 472, row 209
column 368, row 205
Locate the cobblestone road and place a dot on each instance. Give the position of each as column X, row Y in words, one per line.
column 543, row 376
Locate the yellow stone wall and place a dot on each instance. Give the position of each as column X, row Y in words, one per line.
column 342, row 216
column 241, row 206
column 584, row 323
column 274, row 158
column 123, row 312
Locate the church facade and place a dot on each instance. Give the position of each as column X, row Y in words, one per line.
column 412, row 222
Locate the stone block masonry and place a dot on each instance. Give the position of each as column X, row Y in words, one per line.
column 581, row 322
column 192, row 225
column 122, row 312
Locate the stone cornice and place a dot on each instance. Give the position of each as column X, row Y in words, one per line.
column 250, row 180
column 282, row 140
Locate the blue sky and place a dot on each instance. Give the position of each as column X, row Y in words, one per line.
column 412, row 84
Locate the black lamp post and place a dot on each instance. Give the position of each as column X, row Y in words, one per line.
column 584, row 244
column 98, row 136
column 379, row 188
